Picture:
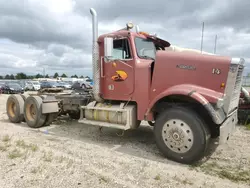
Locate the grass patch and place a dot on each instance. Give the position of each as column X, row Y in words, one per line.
column 35, row 170
column 6, row 138
column 233, row 174
column 48, row 157
column 70, row 163
column 236, row 176
column 22, row 144
column 103, row 179
column 3, row 148
column 33, row 147
column 183, row 181
column 15, row 154
column 53, row 139
column 61, row 159
column 157, row 177
column 248, row 126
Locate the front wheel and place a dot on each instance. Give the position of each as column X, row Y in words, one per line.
column 181, row 135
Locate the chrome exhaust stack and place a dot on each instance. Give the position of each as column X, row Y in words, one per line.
column 245, row 94
column 95, row 57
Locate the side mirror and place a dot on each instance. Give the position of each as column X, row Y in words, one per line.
column 108, row 47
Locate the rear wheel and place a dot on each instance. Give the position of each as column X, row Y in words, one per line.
column 181, row 135
column 33, row 112
column 24, row 96
column 14, row 108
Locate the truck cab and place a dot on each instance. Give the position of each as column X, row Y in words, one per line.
column 171, row 87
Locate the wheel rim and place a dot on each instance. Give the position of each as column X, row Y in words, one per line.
column 31, row 112
column 12, row 108
column 177, row 135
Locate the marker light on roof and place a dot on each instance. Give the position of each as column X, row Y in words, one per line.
column 144, row 33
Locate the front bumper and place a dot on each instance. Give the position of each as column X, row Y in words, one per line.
column 228, row 127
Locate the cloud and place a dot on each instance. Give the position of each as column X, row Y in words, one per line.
column 56, row 34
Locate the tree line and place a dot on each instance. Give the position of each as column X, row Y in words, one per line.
column 22, row 75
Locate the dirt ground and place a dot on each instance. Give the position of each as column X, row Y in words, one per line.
column 69, row 154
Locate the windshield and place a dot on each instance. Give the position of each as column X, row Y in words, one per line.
column 145, row 48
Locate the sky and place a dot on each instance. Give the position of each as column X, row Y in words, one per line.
column 55, row 35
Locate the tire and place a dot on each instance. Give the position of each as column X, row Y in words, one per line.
column 181, row 135
column 33, row 112
column 15, row 108
column 24, row 96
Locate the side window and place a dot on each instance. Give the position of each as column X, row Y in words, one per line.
column 121, row 49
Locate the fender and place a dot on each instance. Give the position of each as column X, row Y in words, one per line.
column 204, row 96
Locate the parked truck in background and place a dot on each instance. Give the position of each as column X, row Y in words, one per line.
column 188, row 98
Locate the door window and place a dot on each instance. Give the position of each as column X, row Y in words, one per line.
column 121, row 49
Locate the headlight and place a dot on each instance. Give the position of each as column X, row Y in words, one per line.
column 11, row 88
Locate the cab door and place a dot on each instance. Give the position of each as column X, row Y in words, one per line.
column 118, row 72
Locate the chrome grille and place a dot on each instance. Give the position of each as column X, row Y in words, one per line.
column 233, row 85
column 237, row 89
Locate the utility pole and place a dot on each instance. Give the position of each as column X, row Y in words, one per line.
column 202, row 35
column 215, row 44
column 43, row 72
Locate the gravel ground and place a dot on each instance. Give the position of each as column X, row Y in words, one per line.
column 69, row 154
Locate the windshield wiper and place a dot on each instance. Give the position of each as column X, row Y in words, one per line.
column 147, row 57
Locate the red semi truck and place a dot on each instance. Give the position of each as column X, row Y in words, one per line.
column 188, row 98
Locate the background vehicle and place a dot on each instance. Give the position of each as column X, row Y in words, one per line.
column 89, row 81
column 81, row 85
column 49, row 84
column 131, row 85
column 67, row 85
column 13, row 88
column 32, row 85
column 64, row 85
column 1, row 87
column 244, row 106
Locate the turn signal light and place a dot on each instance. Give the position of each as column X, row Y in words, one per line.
column 222, row 86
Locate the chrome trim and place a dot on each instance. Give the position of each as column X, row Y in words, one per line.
column 228, row 127
column 220, row 103
column 237, row 61
column 218, row 115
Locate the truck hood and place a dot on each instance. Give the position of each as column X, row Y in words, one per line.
column 177, row 68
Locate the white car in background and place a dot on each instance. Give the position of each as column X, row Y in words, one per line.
column 33, row 85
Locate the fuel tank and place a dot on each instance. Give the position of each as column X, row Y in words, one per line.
column 111, row 115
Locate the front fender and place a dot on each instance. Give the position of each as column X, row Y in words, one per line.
column 204, row 96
